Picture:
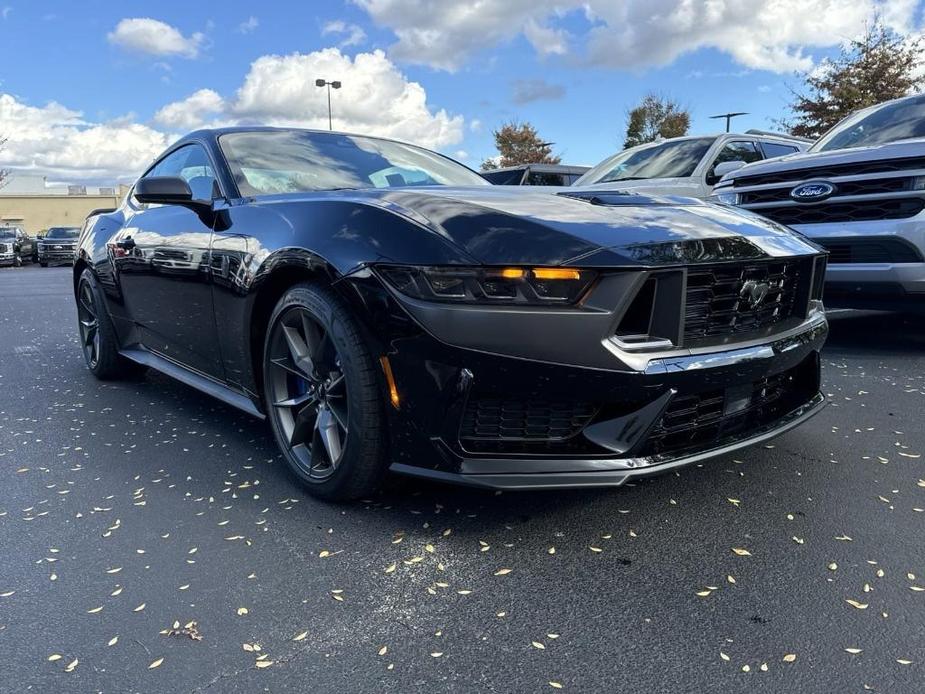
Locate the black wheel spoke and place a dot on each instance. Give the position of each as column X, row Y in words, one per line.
column 308, row 392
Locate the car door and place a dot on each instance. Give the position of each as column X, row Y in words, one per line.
column 26, row 245
column 163, row 267
column 734, row 150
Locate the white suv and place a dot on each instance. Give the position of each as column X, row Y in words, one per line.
column 859, row 192
column 688, row 166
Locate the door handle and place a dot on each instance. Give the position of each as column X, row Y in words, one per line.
column 127, row 243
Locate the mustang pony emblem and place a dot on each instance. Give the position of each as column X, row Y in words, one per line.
column 754, row 292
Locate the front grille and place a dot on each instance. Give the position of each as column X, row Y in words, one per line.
column 718, row 303
column 4, row 248
column 857, row 211
column 870, row 250
column 519, row 420
column 873, row 186
column 859, row 169
column 702, row 420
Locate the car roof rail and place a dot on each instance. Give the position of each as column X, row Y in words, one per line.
column 783, row 136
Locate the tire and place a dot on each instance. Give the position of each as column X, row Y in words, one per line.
column 98, row 341
column 43, row 263
column 17, row 260
column 323, row 395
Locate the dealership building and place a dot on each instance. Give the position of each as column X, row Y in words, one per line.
column 30, row 201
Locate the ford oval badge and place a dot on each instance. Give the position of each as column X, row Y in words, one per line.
column 812, row 192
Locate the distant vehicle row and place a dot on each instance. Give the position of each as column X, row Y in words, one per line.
column 56, row 247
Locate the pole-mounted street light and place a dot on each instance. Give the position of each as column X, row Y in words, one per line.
column 729, row 117
column 336, row 85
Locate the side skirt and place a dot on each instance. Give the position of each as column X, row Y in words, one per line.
column 195, row 380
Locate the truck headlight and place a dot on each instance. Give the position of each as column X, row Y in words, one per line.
column 725, row 197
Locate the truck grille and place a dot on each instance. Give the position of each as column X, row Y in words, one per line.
column 869, row 250
column 856, row 211
column 518, row 420
column 702, row 420
column 4, row 248
column 873, row 186
column 719, row 304
column 825, row 172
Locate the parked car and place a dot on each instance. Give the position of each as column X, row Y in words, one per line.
column 16, row 246
column 385, row 308
column 58, row 246
column 688, row 166
column 859, row 192
column 535, row 175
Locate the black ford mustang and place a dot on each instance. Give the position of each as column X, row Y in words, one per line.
column 386, row 308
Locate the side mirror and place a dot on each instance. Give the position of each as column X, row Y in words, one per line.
column 725, row 167
column 163, row 190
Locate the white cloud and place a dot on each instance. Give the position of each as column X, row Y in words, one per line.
column 376, row 99
column 191, row 112
column 353, row 34
column 5, row 11
column 526, row 91
column 632, row 34
column 57, row 141
column 475, row 125
column 246, row 27
column 151, row 36
column 461, row 155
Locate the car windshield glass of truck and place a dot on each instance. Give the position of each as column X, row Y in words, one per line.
column 62, row 233
column 289, row 161
column 897, row 120
column 674, row 159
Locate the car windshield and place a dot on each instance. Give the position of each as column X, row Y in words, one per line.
column 62, row 233
column 898, row 120
column 287, row 161
column 7, row 233
column 671, row 159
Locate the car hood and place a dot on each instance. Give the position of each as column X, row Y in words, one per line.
column 811, row 160
column 551, row 226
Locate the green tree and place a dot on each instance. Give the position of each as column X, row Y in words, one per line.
column 519, row 143
column 879, row 66
column 656, row 116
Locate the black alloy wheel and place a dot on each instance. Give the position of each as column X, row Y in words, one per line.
column 322, row 394
column 88, row 315
column 98, row 340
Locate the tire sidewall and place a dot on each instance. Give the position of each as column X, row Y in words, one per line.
column 325, row 307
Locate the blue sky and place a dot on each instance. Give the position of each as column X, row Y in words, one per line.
column 84, row 86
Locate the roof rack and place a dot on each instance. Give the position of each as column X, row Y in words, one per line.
column 771, row 133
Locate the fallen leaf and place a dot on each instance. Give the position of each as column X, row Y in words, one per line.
column 537, row 644
column 242, row 611
column 156, row 663
column 300, row 637
column 113, row 641
column 903, row 661
column 855, row 603
column 790, row 657
column 741, row 552
column 383, row 650
column 853, row 651
column 263, row 663
column 53, row 657
column 71, row 665
column 139, row 608
column 503, row 572
column 555, row 685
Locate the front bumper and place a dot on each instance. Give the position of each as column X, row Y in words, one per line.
column 56, row 256
column 623, row 408
column 8, row 259
column 883, row 285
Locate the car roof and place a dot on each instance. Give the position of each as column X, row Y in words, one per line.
column 545, row 168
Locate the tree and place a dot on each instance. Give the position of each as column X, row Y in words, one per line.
column 519, row 143
column 656, row 116
column 879, row 66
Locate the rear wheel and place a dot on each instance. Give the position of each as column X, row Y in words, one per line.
column 43, row 263
column 322, row 395
column 97, row 336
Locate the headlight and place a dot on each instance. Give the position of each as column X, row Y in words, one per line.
column 725, row 197
column 489, row 285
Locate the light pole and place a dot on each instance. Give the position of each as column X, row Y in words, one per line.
column 729, row 117
column 336, row 85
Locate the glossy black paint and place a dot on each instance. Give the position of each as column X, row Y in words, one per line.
column 190, row 287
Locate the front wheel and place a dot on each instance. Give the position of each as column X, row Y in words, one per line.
column 43, row 263
column 323, row 395
column 17, row 260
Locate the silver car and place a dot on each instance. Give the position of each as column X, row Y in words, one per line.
column 859, row 192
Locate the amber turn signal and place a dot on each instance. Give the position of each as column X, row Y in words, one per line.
column 390, row 380
column 556, row 273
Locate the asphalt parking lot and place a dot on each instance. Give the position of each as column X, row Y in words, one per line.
column 130, row 510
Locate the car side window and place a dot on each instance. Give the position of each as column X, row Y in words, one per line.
column 192, row 165
column 776, row 149
column 739, row 150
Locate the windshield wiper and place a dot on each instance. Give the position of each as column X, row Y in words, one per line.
column 627, row 178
